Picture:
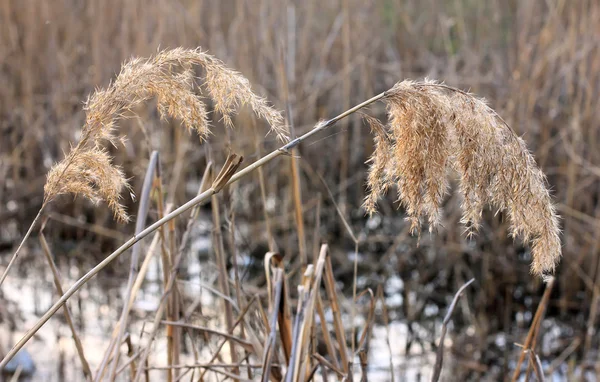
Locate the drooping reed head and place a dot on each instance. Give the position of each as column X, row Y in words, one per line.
column 169, row 77
column 435, row 129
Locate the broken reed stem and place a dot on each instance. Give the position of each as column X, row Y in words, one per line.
column 201, row 198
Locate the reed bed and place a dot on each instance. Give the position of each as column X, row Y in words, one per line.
column 445, row 154
column 426, row 125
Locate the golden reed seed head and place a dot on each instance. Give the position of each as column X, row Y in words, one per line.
column 434, row 129
column 169, row 78
column 89, row 173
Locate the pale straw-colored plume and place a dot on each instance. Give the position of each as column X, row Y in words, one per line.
column 435, row 129
column 168, row 77
column 91, row 174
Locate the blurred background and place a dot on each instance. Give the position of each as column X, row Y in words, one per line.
column 536, row 62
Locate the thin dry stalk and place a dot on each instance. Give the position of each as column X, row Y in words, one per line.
column 439, row 358
column 87, row 372
column 233, row 339
column 15, row 377
column 317, row 229
column 223, row 274
column 536, row 363
column 284, row 320
column 174, row 308
column 95, row 228
column 537, row 321
column 364, row 362
column 298, row 209
column 107, row 356
column 340, row 333
column 293, row 365
column 271, row 341
column 325, row 331
column 562, row 357
column 328, row 364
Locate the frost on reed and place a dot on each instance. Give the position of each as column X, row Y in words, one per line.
column 168, row 77
column 434, row 129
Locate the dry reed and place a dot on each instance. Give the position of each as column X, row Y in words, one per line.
column 546, row 101
column 435, row 129
column 169, row 77
column 432, row 129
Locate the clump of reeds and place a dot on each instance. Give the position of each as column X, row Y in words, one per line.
column 169, row 77
column 434, row 129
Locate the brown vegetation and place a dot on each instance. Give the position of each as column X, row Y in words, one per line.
column 536, row 62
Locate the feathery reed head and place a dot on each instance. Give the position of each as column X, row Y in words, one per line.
column 168, row 77
column 89, row 173
column 434, row 129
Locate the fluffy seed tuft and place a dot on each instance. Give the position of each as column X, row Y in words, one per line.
column 169, row 78
column 434, row 129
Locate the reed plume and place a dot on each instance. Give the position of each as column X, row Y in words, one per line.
column 435, row 129
column 169, row 77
